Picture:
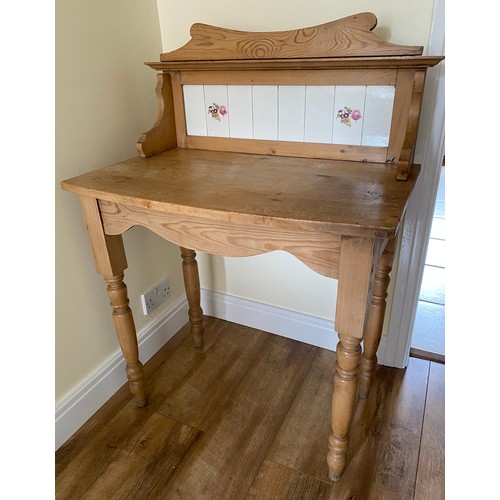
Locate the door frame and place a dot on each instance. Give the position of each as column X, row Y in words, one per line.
column 415, row 232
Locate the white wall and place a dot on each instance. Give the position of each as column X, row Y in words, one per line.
column 278, row 278
column 104, row 100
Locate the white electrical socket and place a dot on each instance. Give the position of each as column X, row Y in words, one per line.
column 155, row 296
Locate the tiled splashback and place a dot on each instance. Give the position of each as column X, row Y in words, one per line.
column 354, row 115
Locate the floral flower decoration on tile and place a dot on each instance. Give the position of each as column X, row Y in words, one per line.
column 217, row 111
column 348, row 114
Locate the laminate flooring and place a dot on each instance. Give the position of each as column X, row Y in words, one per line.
column 248, row 417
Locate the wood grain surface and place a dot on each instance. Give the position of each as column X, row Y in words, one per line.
column 431, row 464
column 289, row 193
column 349, row 36
column 245, row 417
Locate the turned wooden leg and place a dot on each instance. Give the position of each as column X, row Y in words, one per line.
column 373, row 329
column 344, row 400
column 192, row 285
column 125, row 331
column 110, row 261
column 357, row 260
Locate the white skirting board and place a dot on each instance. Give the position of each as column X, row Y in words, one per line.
column 75, row 409
column 272, row 319
column 81, row 403
column 293, row 325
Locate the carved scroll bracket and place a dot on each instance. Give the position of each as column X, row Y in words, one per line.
column 162, row 135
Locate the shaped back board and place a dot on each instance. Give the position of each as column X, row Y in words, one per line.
column 334, row 91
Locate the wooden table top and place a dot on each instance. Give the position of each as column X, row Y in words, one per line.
column 345, row 197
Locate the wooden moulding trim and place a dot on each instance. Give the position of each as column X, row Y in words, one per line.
column 299, row 77
column 347, row 37
column 296, row 64
column 284, row 148
column 322, row 252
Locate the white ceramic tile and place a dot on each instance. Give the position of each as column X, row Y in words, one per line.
column 217, row 120
column 194, row 105
column 319, row 113
column 291, row 112
column 240, row 111
column 265, row 112
column 378, row 114
column 349, row 100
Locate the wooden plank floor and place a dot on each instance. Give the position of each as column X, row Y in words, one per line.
column 247, row 416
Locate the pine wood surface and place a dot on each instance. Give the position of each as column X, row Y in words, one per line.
column 377, row 154
column 346, row 37
column 297, row 77
column 295, row 193
column 245, row 417
column 321, row 253
column 306, row 64
column 162, row 135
